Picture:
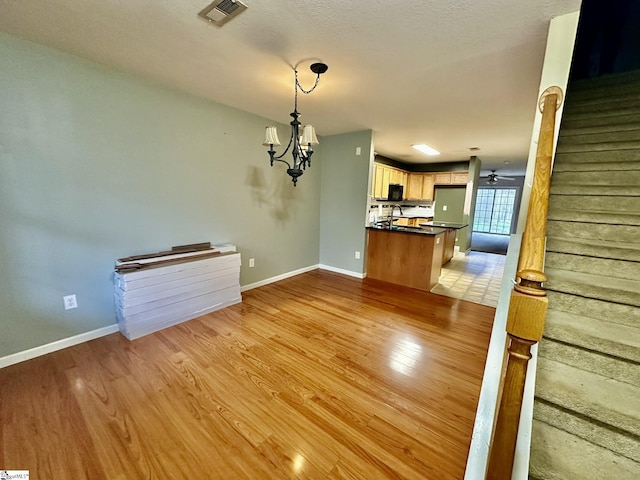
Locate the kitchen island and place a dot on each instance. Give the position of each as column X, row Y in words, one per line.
column 409, row 256
column 450, row 237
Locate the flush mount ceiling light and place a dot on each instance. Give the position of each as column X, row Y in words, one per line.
column 300, row 145
column 426, row 149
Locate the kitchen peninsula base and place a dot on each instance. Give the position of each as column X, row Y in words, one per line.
column 405, row 258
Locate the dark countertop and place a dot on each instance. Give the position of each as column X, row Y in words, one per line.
column 417, row 230
column 456, row 226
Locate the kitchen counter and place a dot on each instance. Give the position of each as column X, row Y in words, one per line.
column 428, row 230
column 456, row 226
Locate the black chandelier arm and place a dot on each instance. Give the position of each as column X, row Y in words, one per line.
column 273, row 158
column 285, row 150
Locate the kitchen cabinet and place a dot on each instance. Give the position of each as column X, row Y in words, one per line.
column 428, row 182
column 414, row 187
column 410, row 259
column 449, row 245
column 420, row 186
column 417, row 186
column 383, row 175
column 442, row 178
column 459, row 178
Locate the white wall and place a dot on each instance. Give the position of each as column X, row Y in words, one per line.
column 555, row 71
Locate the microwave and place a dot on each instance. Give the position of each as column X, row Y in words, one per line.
column 396, row 192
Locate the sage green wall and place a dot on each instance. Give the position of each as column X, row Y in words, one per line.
column 96, row 164
column 461, row 204
column 343, row 206
column 475, row 164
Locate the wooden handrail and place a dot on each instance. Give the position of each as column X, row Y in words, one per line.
column 528, row 303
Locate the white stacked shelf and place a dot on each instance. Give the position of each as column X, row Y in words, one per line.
column 159, row 292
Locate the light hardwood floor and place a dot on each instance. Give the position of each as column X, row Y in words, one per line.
column 318, row 376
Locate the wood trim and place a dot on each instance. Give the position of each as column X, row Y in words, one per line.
column 528, row 302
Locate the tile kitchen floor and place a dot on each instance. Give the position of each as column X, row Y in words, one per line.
column 475, row 277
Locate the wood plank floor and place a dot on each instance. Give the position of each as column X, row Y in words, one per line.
column 319, row 376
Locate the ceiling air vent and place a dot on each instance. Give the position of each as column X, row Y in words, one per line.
column 221, row 11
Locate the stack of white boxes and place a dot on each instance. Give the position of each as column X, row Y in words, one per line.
column 174, row 288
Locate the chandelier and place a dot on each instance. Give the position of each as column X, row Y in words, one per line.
column 300, row 142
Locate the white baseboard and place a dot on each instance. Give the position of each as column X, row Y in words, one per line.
column 342, row 271
column 277, row 278
column 101, row 332
column 57, row 345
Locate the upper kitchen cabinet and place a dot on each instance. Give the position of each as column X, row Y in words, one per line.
column 417, row 185
column 414, row 187
column 420, row 186
column 428, row 182
column 459, row 178
column 451, row 178
column 383, row 175
column 442, row 178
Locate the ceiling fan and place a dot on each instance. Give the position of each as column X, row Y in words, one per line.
column 493, row 178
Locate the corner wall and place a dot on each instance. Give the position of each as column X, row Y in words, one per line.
column 343, row 206
column 96, row 164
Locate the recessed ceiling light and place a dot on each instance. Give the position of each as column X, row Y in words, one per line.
column 507, row 162
column 426, row 149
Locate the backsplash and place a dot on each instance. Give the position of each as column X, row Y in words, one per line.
column 382, row 211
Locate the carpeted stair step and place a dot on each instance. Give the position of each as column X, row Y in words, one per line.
column 600, row 110
column 587, row 121
column 604, row 167
column 599, row 157
column 595, row 248
column 621, row 218
column 605, row 86
column 599, row 287
column 598, row 147
column 602, row 128
column 612, row 178
column 595, row 231
column 601, row 398
column 606, row 267
column 602, row 114
column 595, row 190
column 557, row 454
column 585, row 333
column 596, row 203
column 575, row 99
column 622, row 135
column 579, row 305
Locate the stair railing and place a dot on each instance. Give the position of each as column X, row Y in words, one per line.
column 528, row 302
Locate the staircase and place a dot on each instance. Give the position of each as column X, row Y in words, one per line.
column 587, row 400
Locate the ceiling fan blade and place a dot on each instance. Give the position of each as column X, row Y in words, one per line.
column 505, row 178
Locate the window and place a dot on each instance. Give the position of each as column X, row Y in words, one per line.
column 494, row 210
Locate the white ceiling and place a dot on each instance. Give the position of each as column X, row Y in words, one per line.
column 453, row 74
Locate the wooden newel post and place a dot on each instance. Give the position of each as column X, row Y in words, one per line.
column 528, row 304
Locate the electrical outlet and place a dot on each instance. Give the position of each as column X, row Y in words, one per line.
column 357, row 255
column 252, row 262
column 444, row 208
column 358, row 151
column 70, row 302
